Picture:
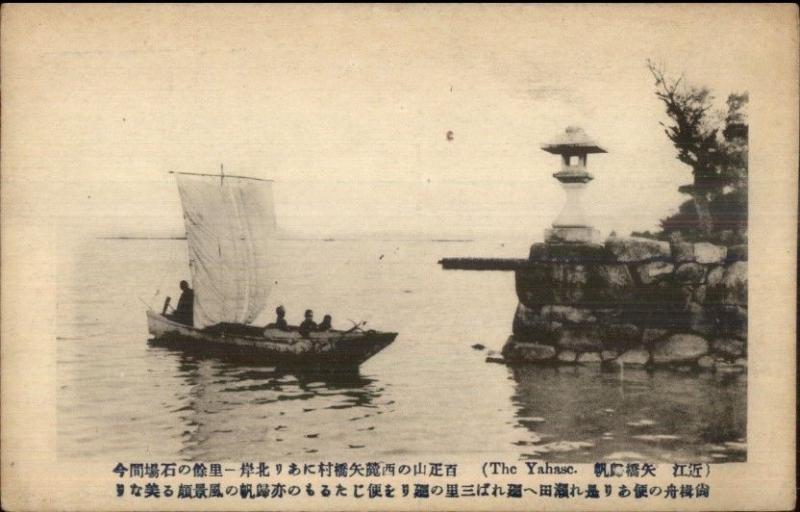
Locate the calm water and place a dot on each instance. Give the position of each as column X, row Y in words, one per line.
column 429, row 392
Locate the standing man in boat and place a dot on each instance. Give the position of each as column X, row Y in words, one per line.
column 308, row 325
column 184, row 313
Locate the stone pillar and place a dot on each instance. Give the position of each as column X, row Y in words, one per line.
column 572, row 225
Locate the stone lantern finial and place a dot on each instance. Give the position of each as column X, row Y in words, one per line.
column 571, row 226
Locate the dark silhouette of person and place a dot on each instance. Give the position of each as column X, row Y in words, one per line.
column 308, row 325
column 325, row 325
column 184, row 313
column 280, row 321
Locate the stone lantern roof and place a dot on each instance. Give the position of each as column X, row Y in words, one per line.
column 573, row 141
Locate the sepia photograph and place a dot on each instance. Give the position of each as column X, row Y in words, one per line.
column 320, row 236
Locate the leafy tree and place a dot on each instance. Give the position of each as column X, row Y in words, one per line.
column 715, row 146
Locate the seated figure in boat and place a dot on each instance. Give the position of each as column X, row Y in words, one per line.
column 309, row 325
column 280, row 320
column 184, row 313
column 325, row 325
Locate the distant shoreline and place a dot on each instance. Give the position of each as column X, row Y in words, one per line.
column 307, row 239
column 141, row 238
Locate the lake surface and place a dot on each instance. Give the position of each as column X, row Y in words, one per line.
column 430, row 392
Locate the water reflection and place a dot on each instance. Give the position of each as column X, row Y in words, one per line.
column 120, row 398
column 584, row 414
column 228, row 409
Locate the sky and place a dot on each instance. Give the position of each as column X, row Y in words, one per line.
column 347, row 108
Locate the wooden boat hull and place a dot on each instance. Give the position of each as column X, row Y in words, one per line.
column 336, row 349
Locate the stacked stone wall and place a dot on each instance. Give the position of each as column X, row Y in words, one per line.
column 632, row 301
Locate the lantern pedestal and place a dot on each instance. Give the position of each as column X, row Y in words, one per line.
column 571, row 225
column 572, row 235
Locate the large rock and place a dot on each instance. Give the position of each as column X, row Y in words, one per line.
column 609, row 355
column 706, row 362
column 734, row 284
column 726, row 367
column 634, row 357
column 700, row 319
column 737, row 253
column 532, row 326
column 699, row 294
column 680, row 348
column 569, row 283
column 584, row 339
column 527, row 316
column 589, row 358
column 705, row 252
column 681, row 251
column 534, row 352
column 571, row 274
column 690, row 273
column 609, row 315
column 515, row 351
column 660, row 305
column 732, row 321
column 687, row 293
column 728, row 347
column 715, row 276
column 633, row 249
column 568, row 314
column 654, row 270
column 652, row 335
column 609, row 284
column 552, row 283
column 574, row 284
column 579, row 253
column 534, row 285
column 620, row 336
column 567, row 356
column 665, row 292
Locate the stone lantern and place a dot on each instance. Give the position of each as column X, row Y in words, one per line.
column 571, row 225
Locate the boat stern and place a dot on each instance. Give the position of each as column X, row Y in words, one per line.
column 160, row 326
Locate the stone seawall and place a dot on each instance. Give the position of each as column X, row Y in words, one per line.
column 632, row 301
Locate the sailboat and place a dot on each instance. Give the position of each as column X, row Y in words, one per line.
column 229, row 223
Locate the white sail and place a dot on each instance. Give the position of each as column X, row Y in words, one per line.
column 229, row 222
